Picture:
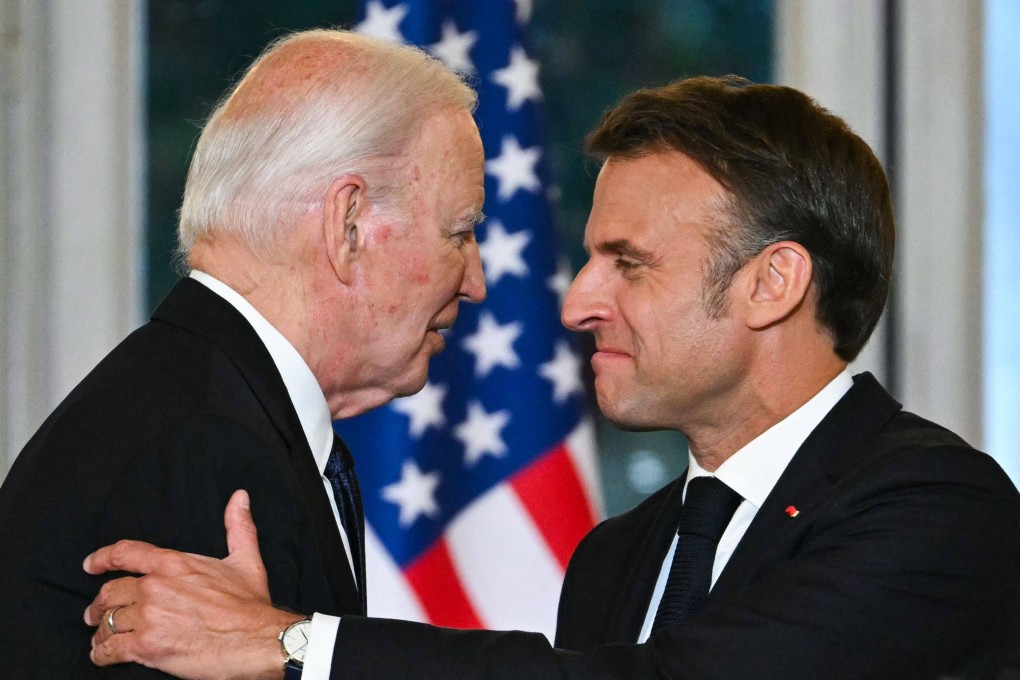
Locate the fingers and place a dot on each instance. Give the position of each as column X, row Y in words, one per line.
column 133, row 556
column 124, row 620
column 243, row 543
column 124, row 647
column 241, row 533
column 112, row 650
column 117, row 593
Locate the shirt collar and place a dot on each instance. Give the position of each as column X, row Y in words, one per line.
column 302, row 387
column 754, row 469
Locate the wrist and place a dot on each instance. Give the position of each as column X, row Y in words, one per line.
column 271, row 653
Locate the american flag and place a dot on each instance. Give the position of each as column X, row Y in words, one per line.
column 478, row 488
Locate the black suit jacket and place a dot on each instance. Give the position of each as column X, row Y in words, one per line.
column 150, row 446
column 904, row 562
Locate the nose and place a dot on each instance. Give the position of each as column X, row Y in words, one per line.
column 472, row 287
column 583, row 307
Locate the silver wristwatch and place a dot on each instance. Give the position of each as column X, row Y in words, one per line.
column 294, row 642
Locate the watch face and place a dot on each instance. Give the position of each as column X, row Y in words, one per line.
column 295, row 640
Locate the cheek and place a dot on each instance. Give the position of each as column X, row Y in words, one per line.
column 404, row 285
column 448, row 274
column 424, row 272
column 644, row 316
column 662, row 328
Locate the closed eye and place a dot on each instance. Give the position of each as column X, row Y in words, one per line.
column 462, row 238
column 466, row 232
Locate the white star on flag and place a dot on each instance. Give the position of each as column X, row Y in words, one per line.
column 514, row 168
column 415, row 493
column 502, row 253
column 424, row 409
column 453, row 48
column 382, row 23
column 520, row 78
column 523, row 10
column 481, row 433
column 563, row 371
column 560, row 281
column 492, row 344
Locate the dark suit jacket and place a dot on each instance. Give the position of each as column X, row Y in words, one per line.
column 904, row 562
column 150, row 446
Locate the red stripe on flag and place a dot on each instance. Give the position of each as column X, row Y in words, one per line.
column 551, row 490
column 435, row 582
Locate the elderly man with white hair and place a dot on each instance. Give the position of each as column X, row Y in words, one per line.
column 328, row 225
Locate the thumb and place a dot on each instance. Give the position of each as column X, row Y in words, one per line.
column 242, row 538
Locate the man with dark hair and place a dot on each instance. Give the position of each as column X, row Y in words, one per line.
column 741, row 244
column 783, row 166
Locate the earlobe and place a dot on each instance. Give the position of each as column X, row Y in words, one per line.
column 342, row 206
column 782, row 278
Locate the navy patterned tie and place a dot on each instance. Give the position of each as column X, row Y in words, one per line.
column 707, row 510
column 340, row 473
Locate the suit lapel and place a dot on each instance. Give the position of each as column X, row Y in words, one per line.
column 834, row 448
column 192, row 306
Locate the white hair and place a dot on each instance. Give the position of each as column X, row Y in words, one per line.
column 276, row 141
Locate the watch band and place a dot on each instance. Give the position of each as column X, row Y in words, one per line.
column 291, row 671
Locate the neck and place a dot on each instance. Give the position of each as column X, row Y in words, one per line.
column 761, row 402
column 274, row 284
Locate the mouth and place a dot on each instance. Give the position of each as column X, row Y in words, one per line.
column 442, row 326
column 439, row 342
column 611, row 351
column 604, row 356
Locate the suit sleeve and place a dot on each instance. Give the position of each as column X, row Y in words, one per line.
column 911, row 571
column 170, row 491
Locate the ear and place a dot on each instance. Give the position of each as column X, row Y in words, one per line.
column 780, row 280
column 342, row 207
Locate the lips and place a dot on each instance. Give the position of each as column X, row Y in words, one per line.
column 606, row 356
column 611, row 351
column 440, row 325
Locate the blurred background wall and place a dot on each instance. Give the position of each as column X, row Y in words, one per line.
column 100, row 103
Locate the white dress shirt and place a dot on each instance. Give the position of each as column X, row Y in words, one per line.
column 752, row 472
column 316, row 422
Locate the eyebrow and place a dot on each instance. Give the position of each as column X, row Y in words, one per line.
column 475, row 217
column 625, row 248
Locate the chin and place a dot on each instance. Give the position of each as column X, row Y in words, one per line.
column 629, row 415
column 413, row 383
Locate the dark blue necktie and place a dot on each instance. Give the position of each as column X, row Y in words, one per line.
column 340, row 473
column 707, row 510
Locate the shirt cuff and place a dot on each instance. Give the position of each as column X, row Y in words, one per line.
column 319, row 657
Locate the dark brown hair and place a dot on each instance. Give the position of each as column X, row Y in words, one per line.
column 794, row 172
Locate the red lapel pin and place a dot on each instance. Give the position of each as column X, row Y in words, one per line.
column 792, row 511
